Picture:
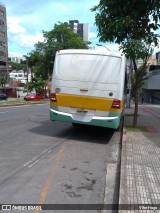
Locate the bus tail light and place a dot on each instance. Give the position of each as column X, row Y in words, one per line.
column 116, row 104
column 53, row 97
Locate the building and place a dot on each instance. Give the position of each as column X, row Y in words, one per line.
column 158, row 58
column 3, row 38
column 81, row 29
column 151, row 61
column 139, row 63
column 16, row 60
column 20, row 76
column 74, row 25
column 151, row 82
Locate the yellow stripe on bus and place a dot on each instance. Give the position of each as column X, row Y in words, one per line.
column 86, row 102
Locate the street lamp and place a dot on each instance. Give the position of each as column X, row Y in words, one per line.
column 100, row 45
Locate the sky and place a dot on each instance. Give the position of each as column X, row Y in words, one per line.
column 26, row 19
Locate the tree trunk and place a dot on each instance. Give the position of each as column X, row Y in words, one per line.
column 136, row 95
column 136, row 108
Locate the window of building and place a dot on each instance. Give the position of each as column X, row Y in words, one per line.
column 2, row 54
column 1, row 13
column 1, row 23
column 2, row 33
column 2, row 43
column 2, row 63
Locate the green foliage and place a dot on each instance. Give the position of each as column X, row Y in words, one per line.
column 136, row 49
column 17, row 66
column 138, row 128
column 124, row 20
column 4, row 78
column 42, row 58
column 62, row 37
column 25, row 90
column 137, row 79
column 18, row 89
column 132, row 24
column 37, row 84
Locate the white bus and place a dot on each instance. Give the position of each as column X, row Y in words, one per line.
column 88, row 88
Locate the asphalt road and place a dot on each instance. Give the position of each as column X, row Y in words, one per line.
column 52, row 162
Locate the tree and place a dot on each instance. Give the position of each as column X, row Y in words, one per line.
column 4, row 78
column 37, row 84
column 15, row 65
column 137, row 49
column 137, row 79
column 132, row 24
column 42, row 58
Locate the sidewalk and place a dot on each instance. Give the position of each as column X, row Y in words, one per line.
column 140, row 161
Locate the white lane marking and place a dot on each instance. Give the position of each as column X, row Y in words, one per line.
column 34, row 163
column 21, row 106
column 26, row 164
column 14, row 106
column 3, row 112
column 37, row 158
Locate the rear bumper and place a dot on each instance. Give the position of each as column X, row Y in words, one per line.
column 111, row 121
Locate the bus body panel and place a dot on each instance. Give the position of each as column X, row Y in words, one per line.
column 85, row 84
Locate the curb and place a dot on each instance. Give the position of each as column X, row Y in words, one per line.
column 124, row 138
column 122, row 169
column 111, row 193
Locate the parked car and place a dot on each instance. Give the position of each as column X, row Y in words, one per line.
column 45, row 97
column 3, row 97
column 33, row 97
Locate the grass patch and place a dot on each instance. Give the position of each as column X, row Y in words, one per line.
column 20, row 102
column 137, row 128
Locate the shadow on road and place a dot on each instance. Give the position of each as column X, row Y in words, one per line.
column 79, row 133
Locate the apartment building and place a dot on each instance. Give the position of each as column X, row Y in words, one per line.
column 151, row 81
column 3, row 38
column 16, row 60
column 20, row 76
column 81, row 29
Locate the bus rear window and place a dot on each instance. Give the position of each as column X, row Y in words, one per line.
column 84, row 67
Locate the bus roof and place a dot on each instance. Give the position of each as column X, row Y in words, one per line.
column 92, row 52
